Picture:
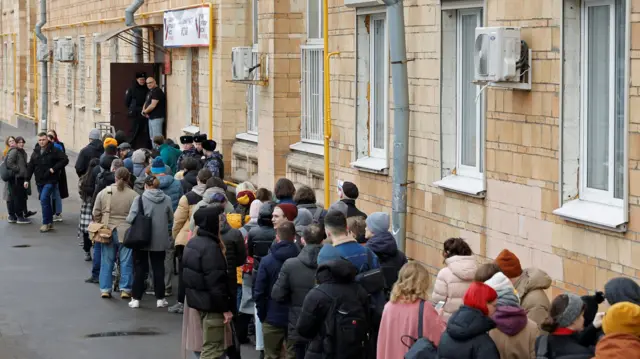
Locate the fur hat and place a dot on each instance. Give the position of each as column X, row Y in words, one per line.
column 141, row 75
column 186, row 139
column 200, row 138
column 209, row 145
column 509, row 264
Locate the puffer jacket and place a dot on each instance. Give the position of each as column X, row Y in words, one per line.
column 17, row 160
column 466, row 336
column 259, row 239
column 515, row 334
column 189, row 180
column 390, row 257
column 453, row 281
column 531, row 288
column 335, row 279
column 156, row 205
column 269, row 310
column 296, row 279
column 617, row 346
column 172, row 188
column 93, row 150
column 565, row 347
column 235, row 251
column 184, row 212
column 42, row 161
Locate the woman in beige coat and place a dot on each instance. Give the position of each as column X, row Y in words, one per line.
column 114, row 202
column 454, row 279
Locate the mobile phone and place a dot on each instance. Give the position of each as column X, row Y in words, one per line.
column 439, row 305
column 340, row 183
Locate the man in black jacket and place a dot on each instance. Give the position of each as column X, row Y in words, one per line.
column 348, row 193
column 134, row 100
column 206, row 281
column 296, row 279
column 45, row 164
column 93, row 150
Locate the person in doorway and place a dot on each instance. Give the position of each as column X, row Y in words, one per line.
column 135, row 98
column 213, row 159
column 45, row 164
column 18, row 192
column 155, row 108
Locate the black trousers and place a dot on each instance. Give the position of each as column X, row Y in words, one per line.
column 17, row 203
column 86, row 242
column 181, row 290
column 141, row 261
column 139, row 132
column 242, row 322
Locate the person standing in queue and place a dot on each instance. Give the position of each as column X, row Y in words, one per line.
column 197, row 145
column 135, row 98
column 188, row 150
column 155, row 108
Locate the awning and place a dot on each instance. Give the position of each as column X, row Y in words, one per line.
column 127, row 35
column 114, row 33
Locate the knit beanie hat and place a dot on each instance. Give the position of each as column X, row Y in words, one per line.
column 290, row 210
column 157, row 166
column 622, row 289
column 571, row 312
column 110, row 142
column 506, row 293
column 378, row 222
column 622, row 318
column 591, row 303
column 350, row 190
column 245, row 197
column 138, row 156
column 254, row 209
column 94, row 134
column 509, row 264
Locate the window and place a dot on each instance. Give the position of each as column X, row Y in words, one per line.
column 312, row 125
column 461, row 104
column 594, row 114
column 314, row 20
column 82, row 70
column 97, row 73
column 603, row 101
column 372, row 92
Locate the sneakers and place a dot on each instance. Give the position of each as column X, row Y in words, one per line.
column 125, row 295
column 30, row 214
column 162, row 303
column 46, row 228
column 105, row 295
column 177, row 308
column 87, row 257
column 134, row 303
column 23, row 220
column 91, row 280
column 12, row 219
column 57, row 218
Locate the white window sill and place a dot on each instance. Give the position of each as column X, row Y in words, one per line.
column 311, row 148
column 594, row 214
column 191, row 129
column 245, row 136
column 372, row 164
column 470, row 186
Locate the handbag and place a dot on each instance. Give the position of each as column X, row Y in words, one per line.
column 138, row 236
column 100, row 232
column 422, row 348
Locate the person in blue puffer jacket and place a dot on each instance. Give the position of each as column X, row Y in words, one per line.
column 382, row 243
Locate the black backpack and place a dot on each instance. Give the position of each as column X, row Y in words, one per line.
column 422, row 348
column 373, row 281
column 346, row 328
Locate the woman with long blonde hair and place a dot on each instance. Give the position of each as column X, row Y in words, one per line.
column 401, row 313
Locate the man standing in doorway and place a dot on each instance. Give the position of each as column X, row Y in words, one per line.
column 135, row 98
column 155, row 108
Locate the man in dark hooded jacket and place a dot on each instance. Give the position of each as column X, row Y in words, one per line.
column 134, row 100
column 297, row 277
column 93, row 150
column 382, row 243
column 272, row 314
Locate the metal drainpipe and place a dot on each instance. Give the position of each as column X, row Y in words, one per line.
column 43, row 79
column 398, row 54
column 129, row 21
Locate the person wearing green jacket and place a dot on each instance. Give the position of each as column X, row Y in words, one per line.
column 168, row 153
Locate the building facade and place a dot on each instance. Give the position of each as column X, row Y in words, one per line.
column 550, row 172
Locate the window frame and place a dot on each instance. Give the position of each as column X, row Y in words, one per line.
column 320, row 38
column 461, row 169
column 378, row 152
column 585, row 192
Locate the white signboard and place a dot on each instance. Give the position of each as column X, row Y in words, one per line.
column 187, row 28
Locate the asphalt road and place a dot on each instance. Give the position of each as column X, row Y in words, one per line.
column 48, row 312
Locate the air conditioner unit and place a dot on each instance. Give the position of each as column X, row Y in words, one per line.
column 64, row 52
column 241, row 63
column 497, row 51
column 43, row 52
column 362, row 3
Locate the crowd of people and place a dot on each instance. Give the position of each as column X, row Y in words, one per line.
column 302, row 281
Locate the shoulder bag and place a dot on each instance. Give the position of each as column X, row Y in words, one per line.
column 100, row 232
column 422, row 348
column 138, row 236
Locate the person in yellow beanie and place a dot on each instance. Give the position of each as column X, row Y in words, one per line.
column 110, row 142
column 621, row 325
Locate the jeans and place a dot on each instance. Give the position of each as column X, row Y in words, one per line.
column 141, row 261
column 108, row 261
column 155, row 127
column 196, row 354
column 46, row 194
column 57, row 200
column 259, row 335
column 97, row 259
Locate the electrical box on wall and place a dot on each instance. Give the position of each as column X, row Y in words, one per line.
column 43, row 52
column 64, row 52
column 497, row 50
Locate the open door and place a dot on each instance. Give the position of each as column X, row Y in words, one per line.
column 122, row 77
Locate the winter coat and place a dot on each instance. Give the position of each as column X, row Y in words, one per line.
column 269, row 310
column 466, row 336
column 352, row 251
column 189, row 153
column 156, row 205
column 259, row 239
column 170, row 156
column 236, row 252
column 183, row 213
column 205, row 275
column 121, row 202
column 17, row 162
column 400, row 319
column 390, row 257
column 618, row 346
column 93, row 150
column 172, row 188
column 453, row 281
column 135, row 97
column 335, row 279
column 206, row 201
column 42, row 160
column 215, row 164
column 531, row 288
column 515, row 334
column 296, row 279
column 105, row 165
column 566, row 346
column 352, row 210
column 189, row 180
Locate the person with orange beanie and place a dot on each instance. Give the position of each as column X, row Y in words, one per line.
column 530, row 283
column 621, row 325
column 110, row 142
column 467, row 333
